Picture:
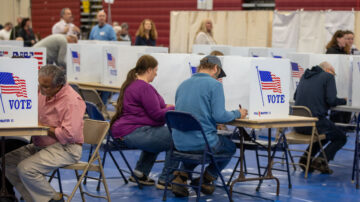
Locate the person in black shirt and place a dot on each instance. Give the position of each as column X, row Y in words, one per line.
column 337, row 44
column 317, row 91
column 146, row 35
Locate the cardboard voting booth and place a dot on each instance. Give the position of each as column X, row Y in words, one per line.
column 241, row 85
column 11, row 43
column 14, row 51
column 356, row 82
column 173, row 69
column 269, row 52
column 18, row 92
column 269, row 88
column 120, row 43
column 341, row 64
column 119, row 60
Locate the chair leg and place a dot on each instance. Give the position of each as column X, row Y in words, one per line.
column 291, row 158
column 103, row 164
column 90, row 152
column 310, row 151
column 353, row 169
column 129, row 167
column 233, row 172
column 80, row 186
column 117, row 166
column 285, row 147
column 221, row 177
column 59, row 180
column 104, row 180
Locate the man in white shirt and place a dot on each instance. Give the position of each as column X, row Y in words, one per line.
column 6, row 31
column 65, row 25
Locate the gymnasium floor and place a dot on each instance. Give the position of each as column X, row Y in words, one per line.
column 318, row 187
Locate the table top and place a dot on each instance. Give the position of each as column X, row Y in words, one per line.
column 24, row 131
column 346, row 108
column 290, row 121
column 97, row 86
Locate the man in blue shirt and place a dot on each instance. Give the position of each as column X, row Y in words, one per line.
column 102, row 31
column 203, row 96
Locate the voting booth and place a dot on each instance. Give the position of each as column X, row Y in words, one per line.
column 270, row 52
column 270, row 99
column 260, row 85
column 14, row 51
column 341, row 63
column 12, row 43
column 117, row 61
column 18, row 92
column 356, row 82
column 103, row 63
column 173, row 69
column 120, row 43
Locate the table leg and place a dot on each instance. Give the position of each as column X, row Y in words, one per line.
column 269, row 176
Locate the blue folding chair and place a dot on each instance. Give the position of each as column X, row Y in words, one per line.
column 185, row 122
column 110, row 146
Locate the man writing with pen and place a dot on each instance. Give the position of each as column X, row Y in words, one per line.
column 203, row 96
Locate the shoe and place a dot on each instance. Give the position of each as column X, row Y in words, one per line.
column 320, row 164
column 58, row 198
column 161, row 185
column 180, row 178
column 208, row 186
column 144, row 180
column 302, row 164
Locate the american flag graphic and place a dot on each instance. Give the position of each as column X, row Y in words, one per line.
column 192, row 69
column 270, row 81
column 39, row 56
column 110, row 60
column 75, row 57
column 10, row 84
column 4, row 53
column 296, row 70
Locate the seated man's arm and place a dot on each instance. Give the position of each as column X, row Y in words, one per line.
column 218, row 106
column 331, row 92
column 71, row 121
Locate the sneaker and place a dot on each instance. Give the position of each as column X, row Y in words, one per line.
column 320, row 164
column 180, row 178
column 208, row 186
column 161, row 185
column 144, row 180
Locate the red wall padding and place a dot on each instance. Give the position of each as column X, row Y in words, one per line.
column 45, row 13
column 317, row 4
column 133, row 12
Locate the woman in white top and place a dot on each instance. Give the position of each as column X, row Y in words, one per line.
column 204, row 35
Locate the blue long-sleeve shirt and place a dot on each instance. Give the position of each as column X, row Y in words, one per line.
column 203, row 97
column 105, row 33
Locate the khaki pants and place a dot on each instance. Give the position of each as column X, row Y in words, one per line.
column 26, row 168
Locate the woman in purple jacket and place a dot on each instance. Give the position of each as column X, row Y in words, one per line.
column 140, row 118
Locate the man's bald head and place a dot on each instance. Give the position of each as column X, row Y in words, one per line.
column 327, row 67
column 101, row 17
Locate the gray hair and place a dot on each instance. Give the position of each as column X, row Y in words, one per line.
column 62, row 12
column 124, row 25
column 57, row 74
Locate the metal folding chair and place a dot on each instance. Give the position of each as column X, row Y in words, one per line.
column 186, row 122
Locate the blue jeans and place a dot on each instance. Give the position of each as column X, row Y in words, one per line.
column 225, row 147
column 152, row 141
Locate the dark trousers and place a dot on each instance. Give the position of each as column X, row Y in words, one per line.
column 10, row 145
column 334, row 135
